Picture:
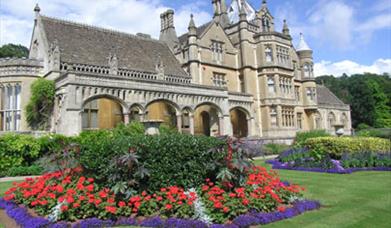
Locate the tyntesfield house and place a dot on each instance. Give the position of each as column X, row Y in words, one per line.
column 235, row 75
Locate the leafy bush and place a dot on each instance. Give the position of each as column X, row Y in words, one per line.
column 23, row 171
column 18, row 150
column 273, row 148
column 133, row 128
column 167, row 129
column 374, row 132
column 366, row 159
column 335, row 147
column 301, row 137
column 40, row 106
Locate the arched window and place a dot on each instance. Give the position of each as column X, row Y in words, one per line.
column 265, row 24
column 331, row 120
column 318, row 120
column 306, row 69
column 268, row 54
column 10, row 110
column 345, row 121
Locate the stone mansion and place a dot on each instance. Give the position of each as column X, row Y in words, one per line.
column 235, row 75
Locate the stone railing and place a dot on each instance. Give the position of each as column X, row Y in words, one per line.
column 20, row 67
column 243, row 97
column 132, row 74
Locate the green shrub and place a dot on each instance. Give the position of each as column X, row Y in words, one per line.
column 337, row 146
column 381, row 133
column 274, row 149
column 165, row 129
column 18, row 150
column 24, row 171
column 133, row 128
column 301, row 137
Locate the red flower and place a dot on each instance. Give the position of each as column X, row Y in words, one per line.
column 70, row 199
column 111, row 209
column 64, row 208
column 144, row 193
column 121, row 204
column 218, row 205
column 76, row 205
column 232, row 195
column 102, row 194
column 59, row 189
column 90, row 180
column 168, row 206
column 205, row 188
column 90, row 187
column 245, row 202
column 110, row 200
column 9, row 197
column 225, row 209
column 190, row 203
column 281, row 208
column 159, row 198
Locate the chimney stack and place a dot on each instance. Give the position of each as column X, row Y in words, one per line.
column 167, row 32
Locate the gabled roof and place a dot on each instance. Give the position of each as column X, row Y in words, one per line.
column 326, row 97
column 85, row 44
column 200, row 31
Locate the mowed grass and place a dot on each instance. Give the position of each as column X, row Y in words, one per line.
column 361, row 199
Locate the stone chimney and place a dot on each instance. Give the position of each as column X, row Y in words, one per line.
column 167, row 31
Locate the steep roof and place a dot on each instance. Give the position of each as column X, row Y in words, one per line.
column 302, row 45
column 84, row 44
column 326, row 97
column 200, row 30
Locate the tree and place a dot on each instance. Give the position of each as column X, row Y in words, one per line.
column 369, row 96
column 13, row 50
column 40, row 106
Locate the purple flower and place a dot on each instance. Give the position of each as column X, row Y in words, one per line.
column 126, row 221
column 245, row 220
column 224, row 226
column 184, row 223
column 152, row 222
column 94, row 222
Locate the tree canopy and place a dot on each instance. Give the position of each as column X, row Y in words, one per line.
column 13, row 50
column 369, row 96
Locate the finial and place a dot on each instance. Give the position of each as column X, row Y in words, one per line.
column 36, row 8
column 285, row 29
column 191, row 23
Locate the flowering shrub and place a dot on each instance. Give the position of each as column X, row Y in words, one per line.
column 263, row 191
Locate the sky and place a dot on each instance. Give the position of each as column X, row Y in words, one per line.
column 347, row 36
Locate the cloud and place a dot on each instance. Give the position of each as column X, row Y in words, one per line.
column 132, row 16
column 349, row 67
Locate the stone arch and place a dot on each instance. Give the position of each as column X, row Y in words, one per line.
column 102, row 112
column 317, row 120
column 207, row 118
column 239, row 117
column 331, row 120
column 163, row 110
column 136, row 112
column 345, row 121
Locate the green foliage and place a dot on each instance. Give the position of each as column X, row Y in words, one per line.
column 274, row 149
column 18, row 150
column 23, row 171
column 133, row 128
column 148, row 162
column 301, row 137
column 376, row 132
column 40, row 106
column 167, row 129
column 13, row 50
column 368, row 94
column 335, row 147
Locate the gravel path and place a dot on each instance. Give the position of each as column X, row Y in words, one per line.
column 266, row 157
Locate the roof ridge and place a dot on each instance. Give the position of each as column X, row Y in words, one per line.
column 107, row 30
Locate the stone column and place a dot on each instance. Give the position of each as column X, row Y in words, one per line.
column 221, row 125
column 126, row 118
column 179, row 122
column 249, row 126
column 191, row 117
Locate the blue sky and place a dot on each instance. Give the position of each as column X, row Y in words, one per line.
column 347, row 36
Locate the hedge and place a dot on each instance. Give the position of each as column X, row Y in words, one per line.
column 337, row 146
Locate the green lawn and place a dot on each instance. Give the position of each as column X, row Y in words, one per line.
column 362, row 199
column 4, row 186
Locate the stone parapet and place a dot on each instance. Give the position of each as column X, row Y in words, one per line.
column 20, row 67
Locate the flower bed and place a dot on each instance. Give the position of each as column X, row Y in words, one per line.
column 339, row 170
column 66, row 198
column 24, row 218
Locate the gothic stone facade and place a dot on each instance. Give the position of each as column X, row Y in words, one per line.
column 235, row 75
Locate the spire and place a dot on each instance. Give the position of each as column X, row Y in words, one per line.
column 302, row 46
column 192, row 28
column 285, row 29
column 37, row 10
column 242, row 13
column 224, row 15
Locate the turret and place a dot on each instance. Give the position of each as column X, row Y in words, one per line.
column 264, row 19
column 193, row 51
column 305, row 55
column 285, row 29
column 167, row 32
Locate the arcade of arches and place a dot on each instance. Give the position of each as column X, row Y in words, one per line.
column 206, row 119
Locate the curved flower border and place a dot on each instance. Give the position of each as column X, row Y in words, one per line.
column 23, row 218
column 337, row 169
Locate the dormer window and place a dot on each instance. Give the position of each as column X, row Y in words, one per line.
column 217, row 51
column 268, row 54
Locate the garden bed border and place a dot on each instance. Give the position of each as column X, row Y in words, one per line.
column 279, row 165
column 23, row 218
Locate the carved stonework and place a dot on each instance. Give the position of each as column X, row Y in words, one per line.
column 160, row 68
column 113, row 64
column 54, row 56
